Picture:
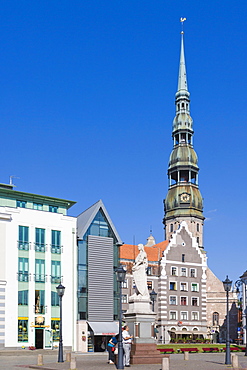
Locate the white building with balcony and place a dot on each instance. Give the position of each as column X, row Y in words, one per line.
column 38, row 250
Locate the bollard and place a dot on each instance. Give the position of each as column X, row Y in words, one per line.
column 73, row 364
column 186, row 355
column 165, row 363
column 40, row 360
column 68, row 356
column 234, row 359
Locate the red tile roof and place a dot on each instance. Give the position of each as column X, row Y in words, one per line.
column 154, row 253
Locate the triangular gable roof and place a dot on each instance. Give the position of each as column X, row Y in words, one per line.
column 154, row 253
column 85, row 219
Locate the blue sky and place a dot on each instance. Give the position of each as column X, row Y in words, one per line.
column 87, row 102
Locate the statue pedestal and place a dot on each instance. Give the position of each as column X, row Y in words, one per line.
column 141, row 319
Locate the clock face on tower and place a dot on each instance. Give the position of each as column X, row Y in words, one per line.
column 185, row 197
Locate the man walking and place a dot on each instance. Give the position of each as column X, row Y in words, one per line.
column 127, row 339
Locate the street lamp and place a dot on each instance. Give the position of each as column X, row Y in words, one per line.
column 227, row 286
column 60, row 291
column 153, row 297
column 120, row 273
column 244, row 281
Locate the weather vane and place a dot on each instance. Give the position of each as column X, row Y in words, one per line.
column 182, row 24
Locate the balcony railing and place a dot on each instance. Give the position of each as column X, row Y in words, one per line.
column 40, row 247
column 56, row 279
column 39, row 278
column 40, row 309
column 24, row 246
column 23, row 276
column 56, row 249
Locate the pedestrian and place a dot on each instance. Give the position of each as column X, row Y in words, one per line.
column 111, row 346
column 127, row 340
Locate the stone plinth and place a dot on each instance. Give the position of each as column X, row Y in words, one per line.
column 146, row 353
column 141, row 319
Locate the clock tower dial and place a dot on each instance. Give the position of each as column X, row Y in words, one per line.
column 185, row 197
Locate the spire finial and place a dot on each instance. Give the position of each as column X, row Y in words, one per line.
column 182, row 24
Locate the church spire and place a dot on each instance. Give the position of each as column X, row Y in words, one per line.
column 183, row 201
column 182, row 78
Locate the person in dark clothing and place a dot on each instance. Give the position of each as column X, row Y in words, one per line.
column 111, row 348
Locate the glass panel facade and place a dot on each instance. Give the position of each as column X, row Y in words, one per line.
column 22, row 330
column 53, row 209
column 40, row 240
column 21, row 203
column 54, row 299
column 23, row 241
column 55, row 272
column 23, row 298
column 40, row 301
column 23, row 274
column 55, row 325
column 55, row 241
column 39, row 270
column 99, row 227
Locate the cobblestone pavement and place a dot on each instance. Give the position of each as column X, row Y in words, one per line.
column 200, row 361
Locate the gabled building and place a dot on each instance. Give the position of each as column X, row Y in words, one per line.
column 38, row 251
column 98, row 255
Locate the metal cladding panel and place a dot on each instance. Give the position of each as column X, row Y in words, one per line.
column 100, row 278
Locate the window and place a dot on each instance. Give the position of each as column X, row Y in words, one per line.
column 194, row 316
column 184, row 315
column 183, row 257
column 22, row 330
column 174, row 271
column 39, row 301
column 183, row 271
column 23, row 242
column 173, row 315
column 21, row 203
column 173, row 285
column 55, row 241
column 150, row 284
column 183, row 286
column 39, row 270
column 194, row 301
column 55, row 327
column 197, row 240
column 40, row 240
column 197, row 227
column 23, row 274
column 125, row 284
column 183, row 301
column 193, row 273
column 124, row 298
column 149, row 270
column 173, row 299
column 38, row 206
column 55, row 272
column 54, row 299
column 215, row 318
column 194, row 287
column 23, row 298
column 53, row 209
column 171, row 228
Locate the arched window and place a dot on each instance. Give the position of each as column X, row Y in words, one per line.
column 171, row 228
column 197, row 227
column 215, row 318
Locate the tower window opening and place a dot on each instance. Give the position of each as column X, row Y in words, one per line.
column 189, row 139
column 187, row 106
column 171, row 228
column 178, row 106
column 197, row 227
column 174, row 178
column 177, row 139
column 183, row 138
column 193, row 177
column 184, row 176
column 183, row 257
column 197, row 240
column 182, row 105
